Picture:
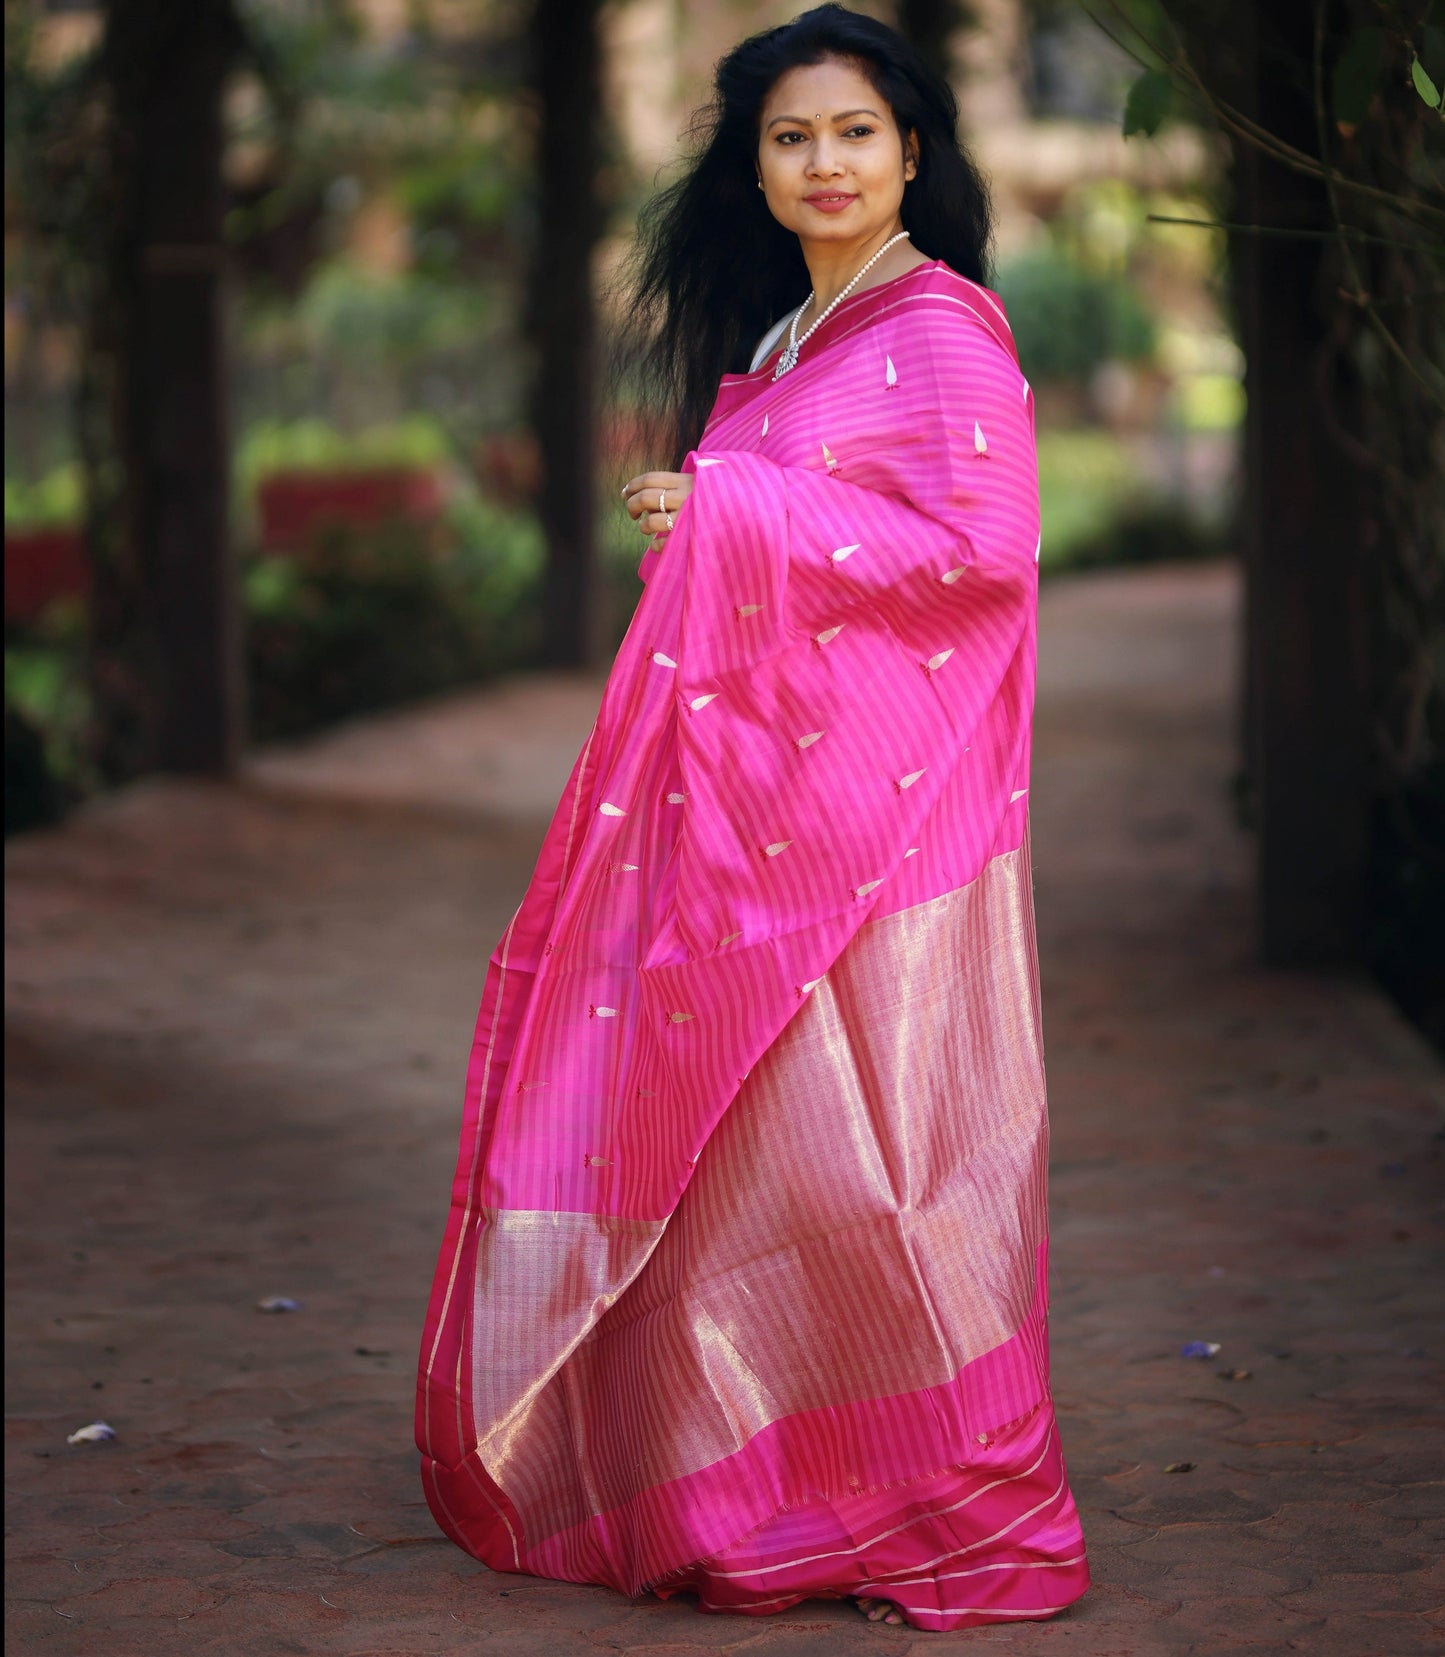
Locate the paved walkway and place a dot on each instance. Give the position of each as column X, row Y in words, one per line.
column 238, row 1019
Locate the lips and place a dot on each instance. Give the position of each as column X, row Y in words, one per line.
column 830, row 201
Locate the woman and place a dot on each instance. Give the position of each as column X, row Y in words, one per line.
column 744, row 1289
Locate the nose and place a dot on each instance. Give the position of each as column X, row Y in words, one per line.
column 826, row 159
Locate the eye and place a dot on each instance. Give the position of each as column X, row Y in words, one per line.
column 787, row 137
column 859, row 132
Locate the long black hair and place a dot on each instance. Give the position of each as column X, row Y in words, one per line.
column 713, row 269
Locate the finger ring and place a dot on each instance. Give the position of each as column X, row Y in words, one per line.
column 662, row 502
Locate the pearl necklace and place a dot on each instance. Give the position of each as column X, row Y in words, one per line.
column 789, row 359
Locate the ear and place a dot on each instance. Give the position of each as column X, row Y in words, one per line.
column 910, row 156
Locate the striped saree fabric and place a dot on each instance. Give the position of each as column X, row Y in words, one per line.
column 744, row 1288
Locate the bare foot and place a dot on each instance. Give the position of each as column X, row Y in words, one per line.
column 880, row 1610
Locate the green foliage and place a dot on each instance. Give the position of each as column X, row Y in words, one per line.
column 364, row 317
column 1067, row 320
column 1095, row 511
column 314, row 445
column 55, row 501
column 1084, row 478
column 1150, row 100
column 1423, row 84
column 47, row 720
column 372, row 618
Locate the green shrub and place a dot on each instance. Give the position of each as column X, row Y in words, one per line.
column 1148, row 531
column 314, row 445
column 1095, row 510
column 47, row 713
column 371, row 618
column 55, row 501
column 1067, row 321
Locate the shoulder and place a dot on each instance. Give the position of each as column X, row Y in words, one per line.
column 941, row 292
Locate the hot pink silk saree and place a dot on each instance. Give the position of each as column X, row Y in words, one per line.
column 744, row 1288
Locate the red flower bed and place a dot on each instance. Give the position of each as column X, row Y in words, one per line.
column 42, row 565
column 296, row 506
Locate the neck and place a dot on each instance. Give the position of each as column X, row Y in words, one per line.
column 832, row 265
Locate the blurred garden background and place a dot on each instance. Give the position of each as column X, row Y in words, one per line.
column 308, row 309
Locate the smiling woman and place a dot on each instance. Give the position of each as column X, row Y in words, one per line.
column 744, row 1290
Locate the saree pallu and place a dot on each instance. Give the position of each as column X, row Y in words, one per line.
column 744, row 1288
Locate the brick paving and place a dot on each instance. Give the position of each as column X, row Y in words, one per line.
column 238, row 1019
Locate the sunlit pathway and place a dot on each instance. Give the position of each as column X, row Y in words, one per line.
column 237, row 1027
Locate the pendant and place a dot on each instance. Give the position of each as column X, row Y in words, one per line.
column 787, row 361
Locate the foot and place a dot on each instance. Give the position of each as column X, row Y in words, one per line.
column 880, row 1610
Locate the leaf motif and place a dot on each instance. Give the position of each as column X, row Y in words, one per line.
column 950, row 576
column 602, row 1012
column 911, row 852
column 777, row 847
column 681, row 1018
column 829, row 459
column 731, row 938
column 812, row 984
column 935, row 662
column 607, row 809
column 661, row 660
column 807, row 741
column 676, row 799
column 765, row 425
column 1148, row 103
column 867, row 886
column 890, row 372
column 980, row 442
column 743, row 610
column 828, row 634
column 1017, row 794
column 699, row 702
column 703, row 460
column 844, row 552
column 911, row 778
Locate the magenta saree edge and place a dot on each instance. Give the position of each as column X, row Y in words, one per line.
column 825, row 1452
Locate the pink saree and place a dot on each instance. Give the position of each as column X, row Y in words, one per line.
column 744, row 1287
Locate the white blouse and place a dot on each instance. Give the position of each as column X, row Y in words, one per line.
column 769, row 340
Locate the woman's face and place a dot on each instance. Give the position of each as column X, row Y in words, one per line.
column 830, row 156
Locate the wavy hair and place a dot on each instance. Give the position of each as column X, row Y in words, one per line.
column 713, row 269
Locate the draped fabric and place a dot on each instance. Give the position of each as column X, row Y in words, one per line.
column 744, row 1286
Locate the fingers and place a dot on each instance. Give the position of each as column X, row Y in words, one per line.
column 656, row 492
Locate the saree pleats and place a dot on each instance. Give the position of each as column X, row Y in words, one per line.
column 745, row 1282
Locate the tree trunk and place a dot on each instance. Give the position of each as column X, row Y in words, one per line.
column 1309, row 596
column 562, row 319
column 166, row 641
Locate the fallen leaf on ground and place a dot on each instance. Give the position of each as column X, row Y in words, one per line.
column 98, row 1432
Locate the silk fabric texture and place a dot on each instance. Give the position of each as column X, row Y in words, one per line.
column 744, row 1285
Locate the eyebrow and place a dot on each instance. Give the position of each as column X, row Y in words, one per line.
column 843, row 115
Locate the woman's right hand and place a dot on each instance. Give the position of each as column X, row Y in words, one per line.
column 653, row 499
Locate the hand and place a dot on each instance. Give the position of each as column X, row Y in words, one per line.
column 649, row 493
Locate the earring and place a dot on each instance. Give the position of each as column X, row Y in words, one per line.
column 760, row 184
